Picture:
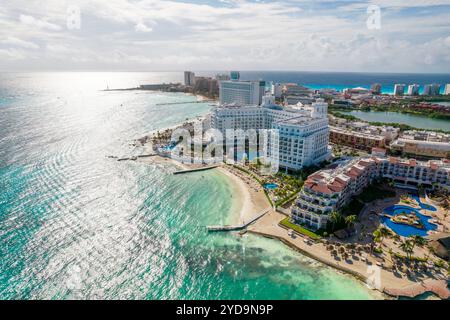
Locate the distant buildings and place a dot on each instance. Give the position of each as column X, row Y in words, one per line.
column 355, row 139
column 294, row 93
column 423, row 144
column 222, row 77
column 422, row 148
column 241, row 92
column 375, row 88
column 431, row 89
column 399, row 89
column 293, row 89
column 361, row 135
column 413, row 90
column 235, row 75
column 357, row 91
column 207, row 86
column 342, row 103
column 303, row 132
column 189, row 78
column 447, row 89
column 330, row 190
column 277, row 90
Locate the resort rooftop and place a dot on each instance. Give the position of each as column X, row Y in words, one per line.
column 332, row 181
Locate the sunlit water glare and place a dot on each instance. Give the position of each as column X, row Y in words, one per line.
column 75, row 224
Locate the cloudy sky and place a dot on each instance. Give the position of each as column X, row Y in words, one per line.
column 145, row 35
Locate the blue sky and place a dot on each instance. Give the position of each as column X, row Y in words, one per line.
column 145, row 35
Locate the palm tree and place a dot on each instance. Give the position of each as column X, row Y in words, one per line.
column 335, row 217
column 377, row 237
column 380, row 234
column 408, row 247
column 419, row 240
column 391, row 183
column 350, row 220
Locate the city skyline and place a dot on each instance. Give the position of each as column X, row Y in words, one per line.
column 287, row 35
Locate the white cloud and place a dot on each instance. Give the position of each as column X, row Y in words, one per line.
column 12, row 54
column 141, row 27
column 284, row 35
column 42, row 24
column 16, row 42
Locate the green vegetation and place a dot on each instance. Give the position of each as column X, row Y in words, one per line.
column 282, row 202
column 409, row 244
column 375, row 192
column 343, row 116
column 354, row 207
column 404, row 107
column 348, row 214
column 412, row 258
column 288, row 224
column 380, row 234
column 257, row 179
column 378, row 250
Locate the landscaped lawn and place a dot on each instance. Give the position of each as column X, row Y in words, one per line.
column 285, row 222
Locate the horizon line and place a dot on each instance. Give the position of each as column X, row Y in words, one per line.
column 193, row 70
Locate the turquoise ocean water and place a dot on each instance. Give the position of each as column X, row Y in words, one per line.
column 74, row 224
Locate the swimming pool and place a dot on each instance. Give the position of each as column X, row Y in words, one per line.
column 271, row 186
column 423, row 205
column 403, row 229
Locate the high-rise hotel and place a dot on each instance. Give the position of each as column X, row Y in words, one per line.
column 241, row 92
column 303, row 130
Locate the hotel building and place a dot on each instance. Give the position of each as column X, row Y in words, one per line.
column 423, row 148
column 431, row 89
column 189, row 78
column 399, row 89
column 355, row 139
column 329, row 190
column 241, row 92
column 447, row 89
column 303, row 131
column 375, row 88
column 413, row 90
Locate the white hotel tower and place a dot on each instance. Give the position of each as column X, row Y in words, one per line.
column 303, row 130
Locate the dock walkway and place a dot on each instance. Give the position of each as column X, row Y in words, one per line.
column 174, row 103
column 196, row 169
column 239, row 226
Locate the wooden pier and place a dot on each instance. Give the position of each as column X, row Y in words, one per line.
column 174, row 103
column 133, row 158
column 240, row 226
column 196, row 169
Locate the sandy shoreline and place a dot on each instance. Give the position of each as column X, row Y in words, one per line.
column 268, row 226
column 249, row 196
column 249, row 199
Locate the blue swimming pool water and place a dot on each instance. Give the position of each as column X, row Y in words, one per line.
column 423, row 205
column 406, row 230
column 270, row 186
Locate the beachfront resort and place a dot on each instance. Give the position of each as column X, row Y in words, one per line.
column 353, row 212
